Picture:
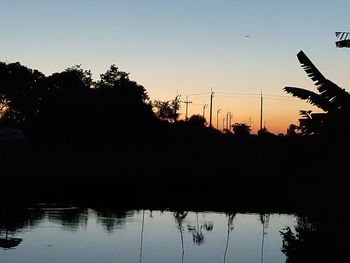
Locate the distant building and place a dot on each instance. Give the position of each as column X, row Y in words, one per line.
column 11, row 134
column 344, row 39
column 343, row 43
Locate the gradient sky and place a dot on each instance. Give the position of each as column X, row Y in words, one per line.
column 187, row 47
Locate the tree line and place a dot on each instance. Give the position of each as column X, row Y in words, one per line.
column 70, row 106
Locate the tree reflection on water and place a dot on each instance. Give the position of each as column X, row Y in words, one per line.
column 196, row 230
column 179, row 218
column 313, row 239
column 230, row 227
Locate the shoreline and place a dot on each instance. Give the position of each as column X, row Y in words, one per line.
column 273, row 175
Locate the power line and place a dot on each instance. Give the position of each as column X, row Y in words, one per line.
column 283, row 99
column 237, row 93
column 238, row 97
column 279, row 96
column 232, row 95
column 196, row 94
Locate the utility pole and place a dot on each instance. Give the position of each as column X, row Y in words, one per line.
column 204, row 107
column 227, row 115
column 187, row 102
column 223, row 124
column 211, row 108
column 261, row 109
column 176, row 105
column 230, row 121
column 217, row 118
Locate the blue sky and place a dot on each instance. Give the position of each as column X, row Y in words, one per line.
column 185, row 46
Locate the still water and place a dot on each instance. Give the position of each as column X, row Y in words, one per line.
column 71, row 234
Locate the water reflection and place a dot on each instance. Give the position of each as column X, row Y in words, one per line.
column 264, row 219
column 230, row 227
column 179, row 218
column 112, row 219
column 97, row 232
column 8, row 242
column 141, row 236
column 11, row 221
column 197, row 231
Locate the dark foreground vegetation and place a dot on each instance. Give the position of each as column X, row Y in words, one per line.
column 66, row 138
column 278, row 172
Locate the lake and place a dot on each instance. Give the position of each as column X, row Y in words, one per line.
column 49, row 233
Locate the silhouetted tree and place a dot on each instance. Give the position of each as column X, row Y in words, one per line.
column 197, row 121
column 64, row 105
column 265, row 133
column 120, row 106
column 167, row 110
column 333, row 100
column 241, row 129
column 291, row 131
column 70, row 106
column 20, row 97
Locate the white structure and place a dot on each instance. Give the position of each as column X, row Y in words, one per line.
column 11, row 134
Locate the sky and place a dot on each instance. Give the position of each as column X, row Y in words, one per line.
column 188, row 47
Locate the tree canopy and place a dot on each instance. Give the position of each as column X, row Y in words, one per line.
column 70, row 105
column 333, row 100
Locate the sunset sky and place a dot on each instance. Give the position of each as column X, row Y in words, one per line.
column 188, row 47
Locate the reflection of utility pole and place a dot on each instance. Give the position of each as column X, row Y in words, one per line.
column 211, row 108
column 261, row 109
column 187, row 102
column 264, row 218
column 141, row 242
column 217, row 118
column 204, row 107
column 179, row 217
column 230, row 227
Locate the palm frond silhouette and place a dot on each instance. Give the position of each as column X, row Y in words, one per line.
column 332, row 99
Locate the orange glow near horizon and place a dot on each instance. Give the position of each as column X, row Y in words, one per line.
column 279, row 110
